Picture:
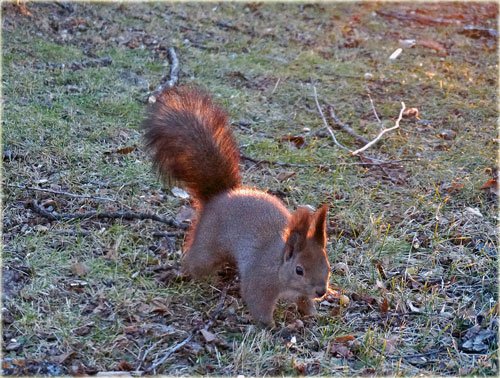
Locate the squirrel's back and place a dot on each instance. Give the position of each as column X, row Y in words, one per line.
column 190, row 140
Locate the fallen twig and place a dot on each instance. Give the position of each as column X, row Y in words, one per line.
column 351, row 132
column 346, row 127
column 159, row 234
column 169, row 352
column 61, row 193
column 278, row 163
column 219, row 308
column 375, row 110
column 419, row 18
column 176, row 347
column 174, row 67
column 366, row 161
column 173, row 75
column 327, row 126
column 102, row 215
column 377, row 138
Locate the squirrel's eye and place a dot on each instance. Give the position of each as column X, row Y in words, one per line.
column 299, row 270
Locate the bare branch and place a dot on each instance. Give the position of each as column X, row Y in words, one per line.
column 377, row 138
column 33, row 205
column 174, row 67
column 375, row 110
column 326, row 123
column 346, row 127
column 173, row 75
column 61, row 193
column 170, row 351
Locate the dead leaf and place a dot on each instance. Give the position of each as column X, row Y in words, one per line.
column 447, row 134
column 160, row 306
column 282, row 176
column 421, row 18
column 343, row 339
column 296, row 140
column 478, row 340
column 131, row 329
column 492, row 186
column 124, row 366
column 21, row 362
column 159, row 330
column 63, row 357
column 144, row 308
column 126, row 150
column 79, row 269
column 13, row 345
column 299, row 367
column 384, row 306
column 208, row 336
column 237, row 75
column 23, row 9
column 363, row 297
column 380, row 269
column 340, row 350
column 335, row 311
column 411, row 113
column 453, row 187
column 433, row 45
column 49, row 204
column 477, row 32
column 83, row 330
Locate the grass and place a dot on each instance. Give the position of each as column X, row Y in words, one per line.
column 427, row 248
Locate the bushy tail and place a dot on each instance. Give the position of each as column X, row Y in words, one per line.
column 189, row 139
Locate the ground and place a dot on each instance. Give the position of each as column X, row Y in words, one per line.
column 412, row 236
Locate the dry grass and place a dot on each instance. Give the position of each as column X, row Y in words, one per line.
column 412, row 244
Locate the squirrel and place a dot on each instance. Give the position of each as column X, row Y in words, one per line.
column 278, row 254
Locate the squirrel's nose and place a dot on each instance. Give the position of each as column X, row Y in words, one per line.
column 320, row 292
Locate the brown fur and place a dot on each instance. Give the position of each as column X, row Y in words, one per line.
column 189, row 139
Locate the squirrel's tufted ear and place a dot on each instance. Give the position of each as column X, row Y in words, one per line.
column 298, row 227
column 319, row 233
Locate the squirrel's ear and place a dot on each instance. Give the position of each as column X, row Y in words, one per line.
column 298, row 227
column 319, row 233
column 292, row 245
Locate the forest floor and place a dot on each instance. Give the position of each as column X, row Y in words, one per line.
column 412, row 221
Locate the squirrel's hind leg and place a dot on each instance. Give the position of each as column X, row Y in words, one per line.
column 200, row 261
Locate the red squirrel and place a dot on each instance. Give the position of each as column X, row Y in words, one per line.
column 278, row 254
